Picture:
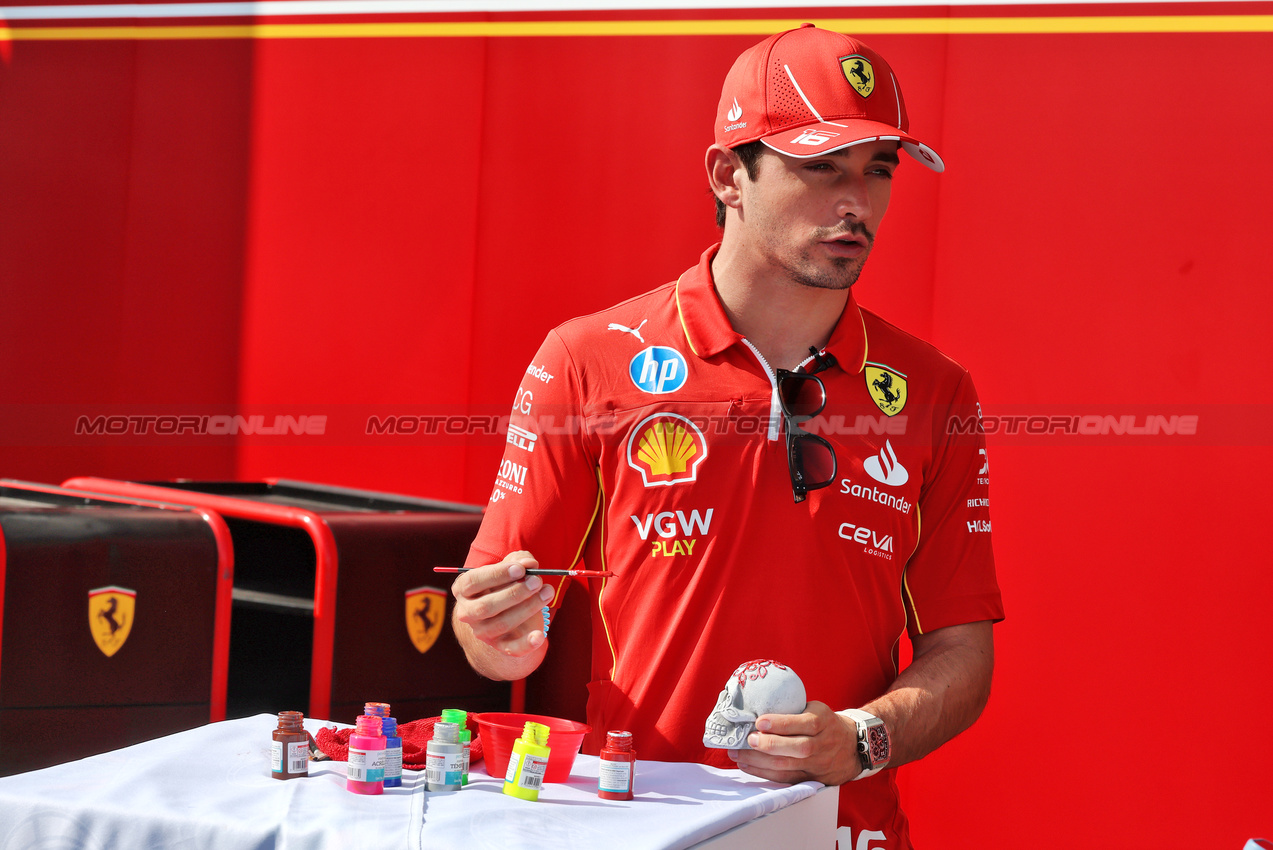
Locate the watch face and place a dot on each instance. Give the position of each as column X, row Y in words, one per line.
column 877, row 745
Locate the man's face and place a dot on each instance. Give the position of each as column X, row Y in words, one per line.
column 814, row 220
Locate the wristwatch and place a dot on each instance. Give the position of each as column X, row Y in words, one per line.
column 873, row 744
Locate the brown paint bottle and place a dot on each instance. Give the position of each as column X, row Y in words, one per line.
column 289, row 754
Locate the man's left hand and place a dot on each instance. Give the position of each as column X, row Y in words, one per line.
column 818, row 744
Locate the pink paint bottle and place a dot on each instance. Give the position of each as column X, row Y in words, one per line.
column 366, row 771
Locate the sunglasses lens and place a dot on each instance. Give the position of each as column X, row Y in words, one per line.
column 802, row 395
column 815, row 461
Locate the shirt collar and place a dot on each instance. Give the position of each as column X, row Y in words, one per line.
column 708, row 331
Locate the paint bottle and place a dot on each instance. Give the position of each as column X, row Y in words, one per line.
column 528, row 763
column 366, row 771
column 459, row 717
column 289, row 752
column 393, row 743
column 617, row 767
column 444, row 758
column 393, row 752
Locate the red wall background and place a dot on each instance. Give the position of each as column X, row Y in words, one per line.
column 356, row 226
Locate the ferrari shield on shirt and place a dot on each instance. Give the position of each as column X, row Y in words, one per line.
column 648, row 440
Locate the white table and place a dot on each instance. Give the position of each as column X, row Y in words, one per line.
column 211, row 788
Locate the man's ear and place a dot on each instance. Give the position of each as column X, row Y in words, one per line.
column 724, row 174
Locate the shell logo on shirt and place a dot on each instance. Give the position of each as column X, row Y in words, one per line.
column 110, row 617
column 426, row 612
column 666, row 449
column 887, row 387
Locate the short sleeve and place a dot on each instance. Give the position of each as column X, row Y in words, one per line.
column 546, row 493
column 950, row 578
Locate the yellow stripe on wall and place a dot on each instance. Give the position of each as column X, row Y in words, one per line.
column 532, row 29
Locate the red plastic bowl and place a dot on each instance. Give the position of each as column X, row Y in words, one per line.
column 500, row 729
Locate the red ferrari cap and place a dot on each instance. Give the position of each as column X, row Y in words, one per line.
column 808, row 91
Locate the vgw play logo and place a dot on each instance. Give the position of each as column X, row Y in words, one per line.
column 658, row 370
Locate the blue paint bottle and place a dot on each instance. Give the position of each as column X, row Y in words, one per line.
column 393, row 752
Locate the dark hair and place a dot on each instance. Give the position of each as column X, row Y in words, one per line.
column 750, row 156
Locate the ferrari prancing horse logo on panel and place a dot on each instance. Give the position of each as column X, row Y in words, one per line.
column 110, row 617
column 426, row 612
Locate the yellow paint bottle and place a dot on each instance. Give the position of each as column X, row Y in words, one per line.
column 528, row 763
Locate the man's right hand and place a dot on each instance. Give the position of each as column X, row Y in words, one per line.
column 501, row 607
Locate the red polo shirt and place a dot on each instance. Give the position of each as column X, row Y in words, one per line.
column 646, row 439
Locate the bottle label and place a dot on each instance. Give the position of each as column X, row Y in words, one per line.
column 533, row 770
column 366, row 765
column 375, row 765
column 276, row 756
column 442, row 768
column 298, row 757
column 616, row 776
column 393, row 762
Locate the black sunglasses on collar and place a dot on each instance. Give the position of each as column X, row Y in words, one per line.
column 802, row 396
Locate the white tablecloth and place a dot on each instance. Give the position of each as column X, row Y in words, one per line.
column 211, row 788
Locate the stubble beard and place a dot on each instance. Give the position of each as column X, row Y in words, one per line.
column 843, row 271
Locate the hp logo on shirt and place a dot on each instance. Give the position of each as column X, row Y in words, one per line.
column 658, row 369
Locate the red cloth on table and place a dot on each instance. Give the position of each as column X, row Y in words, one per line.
column 415, row 735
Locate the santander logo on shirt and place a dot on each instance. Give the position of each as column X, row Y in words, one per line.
column 886, row 468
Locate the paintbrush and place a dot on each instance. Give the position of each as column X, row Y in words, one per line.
column 580, row 573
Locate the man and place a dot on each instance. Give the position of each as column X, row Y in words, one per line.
column 741, row 518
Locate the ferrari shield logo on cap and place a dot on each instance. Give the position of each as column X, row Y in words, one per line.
column 859, row 73
column 887, row 387
column 426, row 612
column 110, row 617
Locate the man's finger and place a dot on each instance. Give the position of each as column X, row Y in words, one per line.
column 505, row 610
column 768, row 766
column 518, row 645
column 805, row 723
column 791, row 746
column 479, row 580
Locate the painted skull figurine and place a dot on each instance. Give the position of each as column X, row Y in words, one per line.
column 755, row 688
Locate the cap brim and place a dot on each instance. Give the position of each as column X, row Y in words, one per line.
column 826, row 136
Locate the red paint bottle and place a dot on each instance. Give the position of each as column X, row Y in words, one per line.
column 617, row 767
column 289, row 754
